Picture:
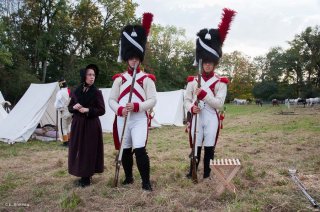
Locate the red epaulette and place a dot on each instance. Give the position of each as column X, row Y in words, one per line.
column 153, row 77
column 224, row 80
column 116, row 76
column 190, row 78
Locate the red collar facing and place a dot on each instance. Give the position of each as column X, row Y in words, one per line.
column 207, row 76
column 130, row 71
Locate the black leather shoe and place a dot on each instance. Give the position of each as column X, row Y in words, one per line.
column 128, row 181
column 84, row 182
column 206, row 176
column 146, row 186
column 189, row 176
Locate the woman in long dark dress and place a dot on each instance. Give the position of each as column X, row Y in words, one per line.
column 86, row 142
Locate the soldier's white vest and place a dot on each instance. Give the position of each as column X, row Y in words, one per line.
column 138, row 94
column 205, row 85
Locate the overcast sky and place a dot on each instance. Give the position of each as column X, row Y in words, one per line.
column 258, row 26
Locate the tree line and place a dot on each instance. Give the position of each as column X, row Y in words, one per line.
column 280, row 73
column 43, row 40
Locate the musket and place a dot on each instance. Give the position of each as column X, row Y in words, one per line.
column 296, row 180
column 61, row 125
column 57, row 128
column 195, row 132
column 124, row 130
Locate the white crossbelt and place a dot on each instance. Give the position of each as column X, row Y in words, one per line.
column 131, row 40
column 137, row 87
column 208, row 48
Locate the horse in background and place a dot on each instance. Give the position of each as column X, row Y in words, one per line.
column 313, row 101
column 259, row 102
column 275, row 102
column 298, row 101
column 302, row 102
column 240, row 101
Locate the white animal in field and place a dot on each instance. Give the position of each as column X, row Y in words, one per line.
column 313, row 101
column 240, row 101
column 295, row 101
column 291, row 101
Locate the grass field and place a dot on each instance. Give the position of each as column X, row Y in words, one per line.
column 35, row 173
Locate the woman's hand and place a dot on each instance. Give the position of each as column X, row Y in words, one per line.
column 77, row 106
column 84, row 110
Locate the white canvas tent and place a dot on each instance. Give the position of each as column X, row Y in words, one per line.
column 36, row 106
column 169, row 108
column 1, row 98
column 3, row 113
column 107, row 119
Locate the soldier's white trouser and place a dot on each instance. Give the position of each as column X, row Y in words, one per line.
column 137, row 130
column 207, row 128
column 65, row 125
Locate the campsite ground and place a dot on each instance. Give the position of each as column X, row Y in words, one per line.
column 35, row 173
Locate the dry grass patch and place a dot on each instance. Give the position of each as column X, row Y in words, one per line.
column 267, row 145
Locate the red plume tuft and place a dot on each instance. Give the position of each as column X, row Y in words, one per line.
column 226, row 20
column 147, row 21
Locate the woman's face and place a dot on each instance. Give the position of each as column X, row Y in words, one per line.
column 208, row 67
column 90, row 76
column 133, row 61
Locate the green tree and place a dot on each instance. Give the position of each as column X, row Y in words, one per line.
column 170, row 56
column 241, row 73
column 311, row 50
